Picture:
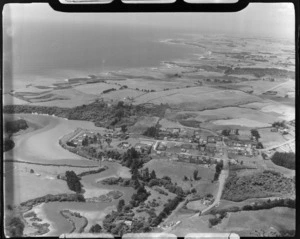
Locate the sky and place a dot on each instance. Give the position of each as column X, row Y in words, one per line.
column 258, row 19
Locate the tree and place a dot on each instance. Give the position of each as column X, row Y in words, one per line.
column 259, row 145
column 108, row 141
column 153, row 175
column 195, row 174
column 121, row 204
column 226, row 132
column 123, row 128
column 85, row 141
column 236, row 131
column 255, row 134
column 152, row 132
column 73, row 181
column 146, row 175
column 95, row 229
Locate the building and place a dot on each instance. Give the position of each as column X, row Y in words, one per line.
column 211, row 147
column 211, row 139
column 274, row 130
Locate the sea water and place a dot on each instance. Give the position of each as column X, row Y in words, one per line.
column 51, row 51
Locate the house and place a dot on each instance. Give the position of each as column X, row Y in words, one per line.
column 211, row 147
column 128, row 223
column 161, row 147
column 211, row 139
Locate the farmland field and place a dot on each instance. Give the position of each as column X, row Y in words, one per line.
column 177, row 170
column 242, row 222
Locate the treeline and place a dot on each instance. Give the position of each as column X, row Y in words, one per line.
column 169, row 207
column 99, row 112
column 52, row 198
column 268, row 204
column 219, row 167
column 284, row 159
column 108, row 90
column 92, row 172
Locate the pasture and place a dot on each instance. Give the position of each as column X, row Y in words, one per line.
column 177, row 170
column 246, row 222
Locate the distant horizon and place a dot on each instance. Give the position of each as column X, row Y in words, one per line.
column 257, row 19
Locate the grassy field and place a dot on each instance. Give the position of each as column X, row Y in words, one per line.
column 227, row 114
column 142, row 124
column 189, row 98
column 269, row 138
column 95, row 89
column 20, row 185
column 121, row 94
column 252, row 222
column 177, row 170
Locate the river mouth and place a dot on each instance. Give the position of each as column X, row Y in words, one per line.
column 37, row 159
column 42, row 145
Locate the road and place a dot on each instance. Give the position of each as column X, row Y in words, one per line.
column 222, row 179
column 276, row 86
column 279, row 145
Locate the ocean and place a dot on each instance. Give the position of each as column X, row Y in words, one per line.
column 56, row 51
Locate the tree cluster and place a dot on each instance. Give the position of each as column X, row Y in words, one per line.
column 95, row 229
column 278, row 124
column 226, row 132
column 14, row 227
column 284, row 159
column 259, row 145
column 167, row 184
column 169, row 207
column 15, row 125
column 108, row 90
column 8, row 144
column 152, row 131
column 73, row 181
column 255, row 134
column 140, row 196
column 219, row 167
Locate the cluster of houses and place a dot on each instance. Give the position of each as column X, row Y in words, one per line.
column 79, row 135
column 197, row 159
column 144, row 146
column 178, row 134
column 245, row 148
column 281, row 130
